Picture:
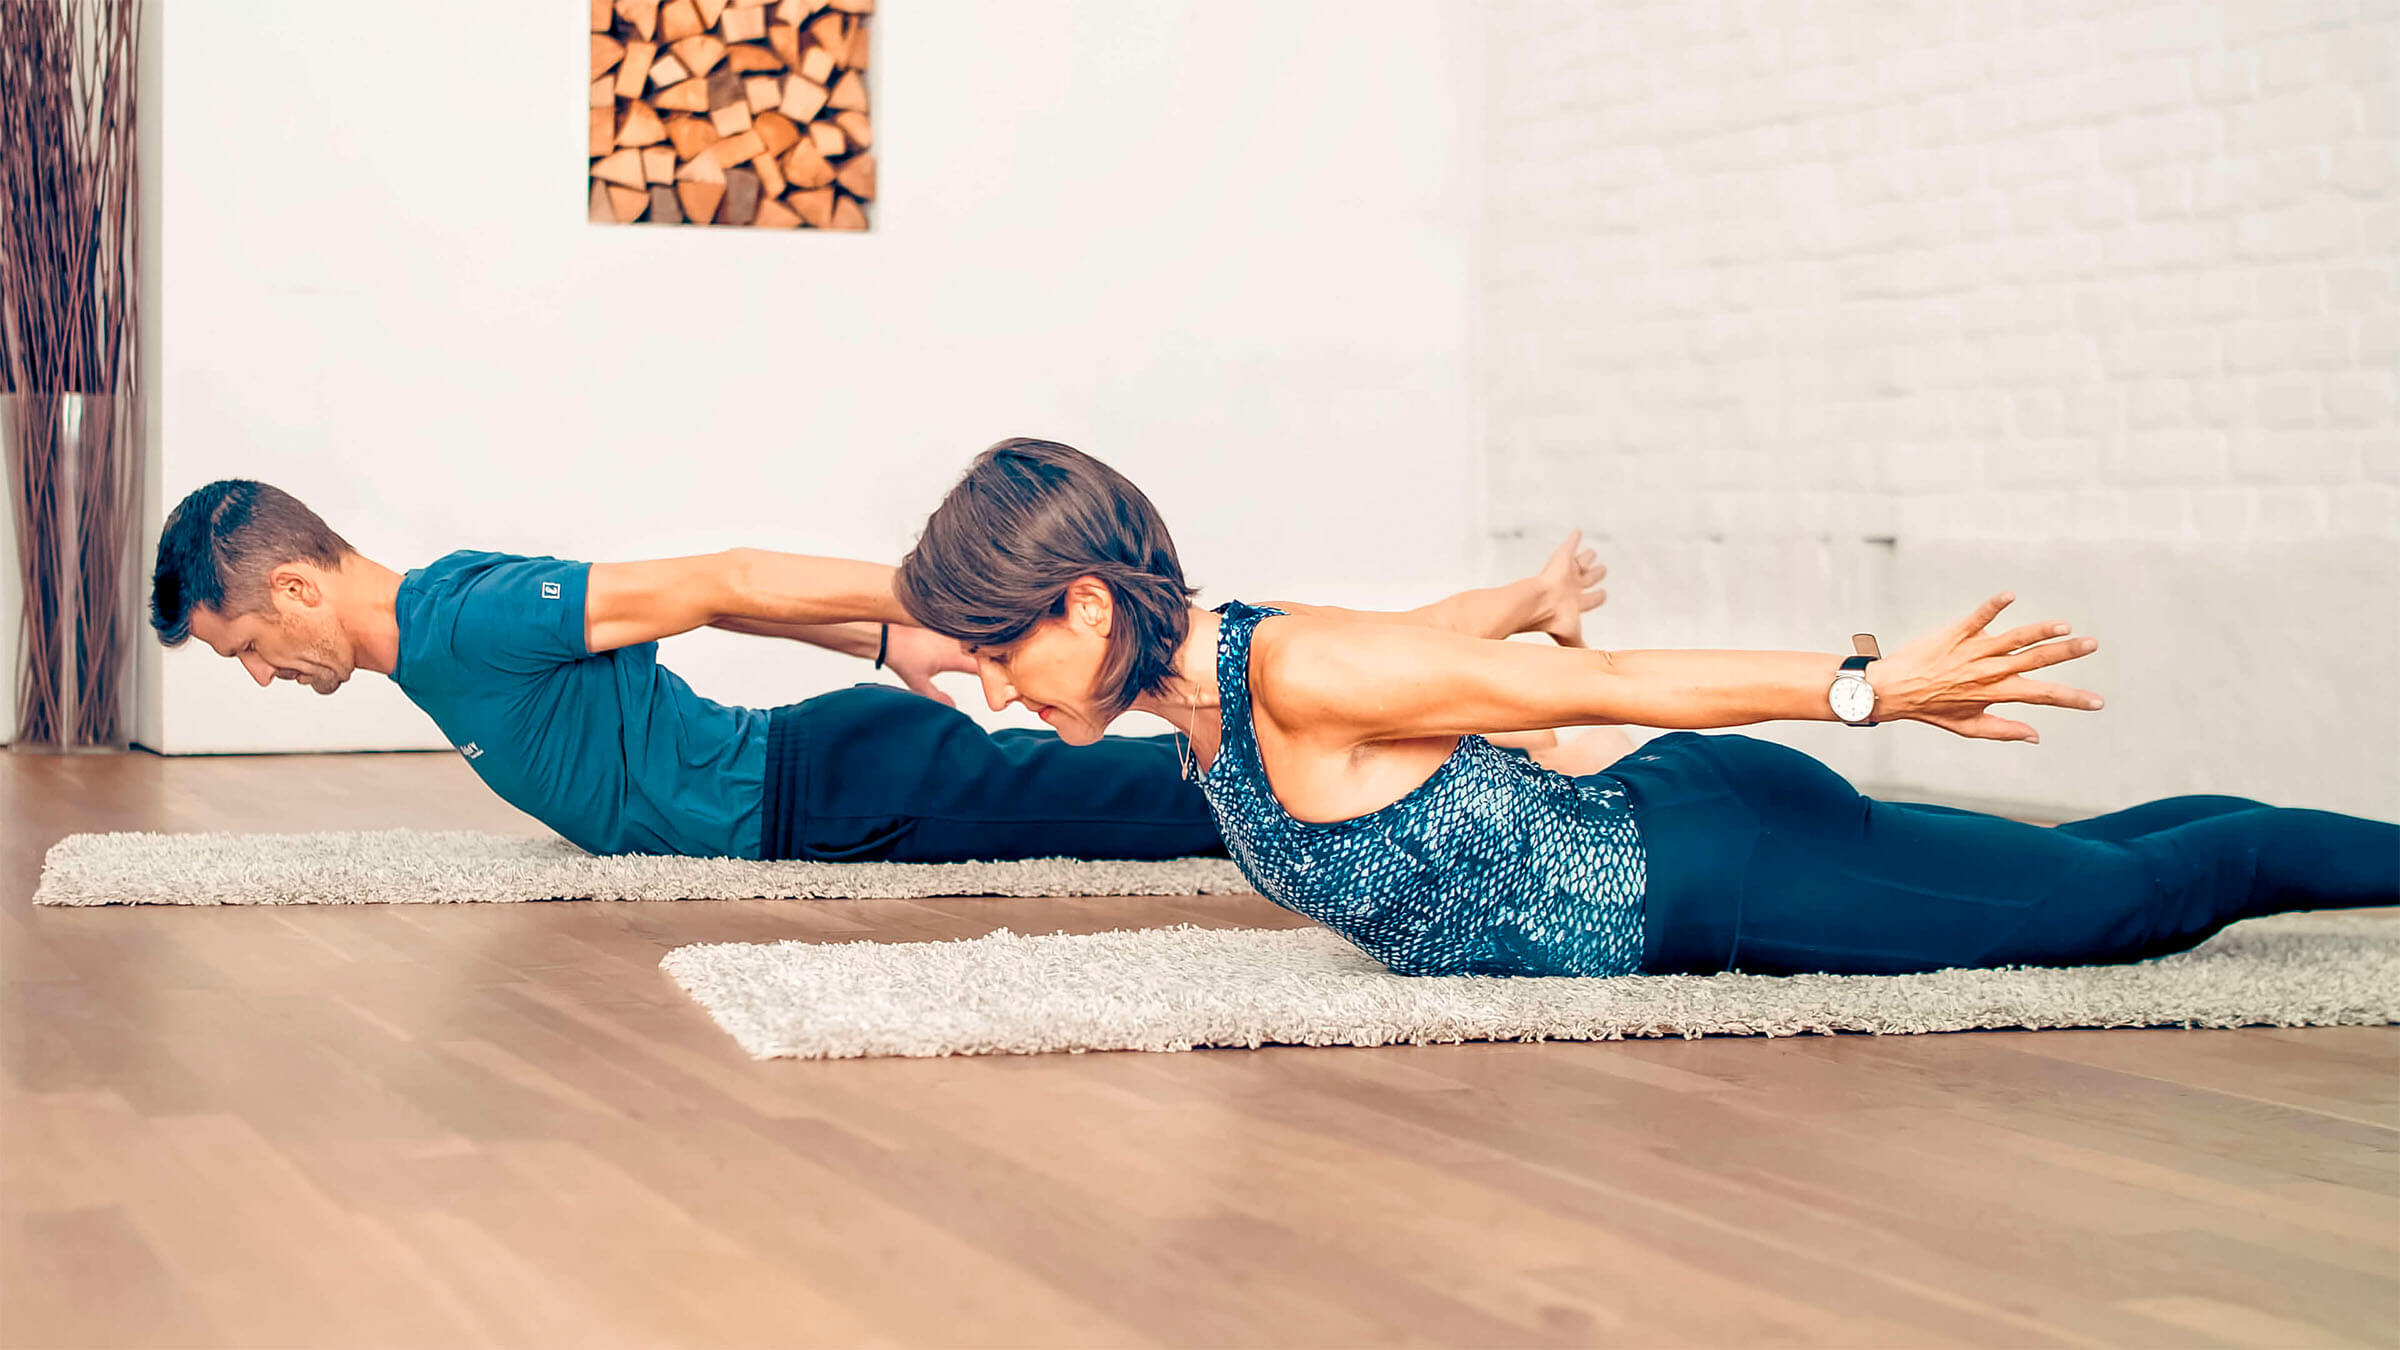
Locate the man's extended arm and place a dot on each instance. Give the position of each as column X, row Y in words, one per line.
column 630, row 603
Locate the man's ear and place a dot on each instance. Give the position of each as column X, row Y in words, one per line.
column 1092, row 604
column 297, row 584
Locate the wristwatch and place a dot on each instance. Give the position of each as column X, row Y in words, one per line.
column 1852, row 697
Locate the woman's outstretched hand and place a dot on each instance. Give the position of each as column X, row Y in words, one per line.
column 1952, row 676
column 916, row 656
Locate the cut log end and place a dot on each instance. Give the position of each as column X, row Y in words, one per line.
column 690, row 96
column 803, row 98
column 848, row 215
column 700, row 200
column 805, row 166
column 640, row 126
column 622, row 167
column 691, row 135
column 777, row 131
column 749, row 58
column 629, row 203
column 699, row 53
column 731, row 120
column 741, row 198
column 739, row 149
column 849, row 93
column 858, row 177
column 679, row 19
column 642, row 14
column 814, row 206
column 743, row 24
column 634, row 71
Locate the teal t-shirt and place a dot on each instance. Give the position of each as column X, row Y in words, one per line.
column 610, row 749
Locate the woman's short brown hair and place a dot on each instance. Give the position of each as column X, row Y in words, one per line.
column 1030, row 518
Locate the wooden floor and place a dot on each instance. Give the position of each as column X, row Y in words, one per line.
column 501, row 1125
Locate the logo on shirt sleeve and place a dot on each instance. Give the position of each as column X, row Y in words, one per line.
column 549, row 590
column 471, row 750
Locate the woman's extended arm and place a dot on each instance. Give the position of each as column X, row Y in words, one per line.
column 1362, row 682
column 914, row 654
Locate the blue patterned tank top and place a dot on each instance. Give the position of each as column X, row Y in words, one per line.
column 1492, row 866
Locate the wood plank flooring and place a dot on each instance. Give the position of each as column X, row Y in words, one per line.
column 500, row 1125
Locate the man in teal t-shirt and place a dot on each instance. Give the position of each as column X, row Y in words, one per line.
column 492, row 648
column 544, row 675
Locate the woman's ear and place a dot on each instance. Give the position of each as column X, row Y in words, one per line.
column 1091, row 604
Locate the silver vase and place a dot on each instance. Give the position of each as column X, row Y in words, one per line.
column 72, row 465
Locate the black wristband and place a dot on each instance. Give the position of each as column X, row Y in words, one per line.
column 883, row 645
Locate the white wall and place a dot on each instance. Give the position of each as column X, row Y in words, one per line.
column 1849, row 313
column 1227, row 246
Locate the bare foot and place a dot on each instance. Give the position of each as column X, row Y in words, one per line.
column 1569, row 587
column 1590, row 752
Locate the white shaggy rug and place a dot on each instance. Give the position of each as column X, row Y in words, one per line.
column 1182, row 988
column 368, row 867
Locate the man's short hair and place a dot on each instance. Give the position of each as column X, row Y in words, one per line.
column 219, row 546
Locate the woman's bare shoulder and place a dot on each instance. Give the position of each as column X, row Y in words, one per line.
column 1306, row 667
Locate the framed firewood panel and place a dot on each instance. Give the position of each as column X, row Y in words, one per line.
column 732, row 112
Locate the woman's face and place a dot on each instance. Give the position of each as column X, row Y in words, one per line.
column 1054, row 670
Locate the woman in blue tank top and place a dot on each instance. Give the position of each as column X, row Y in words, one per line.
column 1343, row 759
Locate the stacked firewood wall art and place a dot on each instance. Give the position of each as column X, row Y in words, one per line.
column 732, row 112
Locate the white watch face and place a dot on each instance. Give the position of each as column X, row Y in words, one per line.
column 1853, row 698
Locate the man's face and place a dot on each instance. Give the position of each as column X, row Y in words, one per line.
column 296, row 639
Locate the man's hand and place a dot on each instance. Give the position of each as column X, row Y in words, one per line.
column 916, row 655
column 1566, row 589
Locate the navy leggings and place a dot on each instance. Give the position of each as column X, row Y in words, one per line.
column 1762, row 859
column 876, row 772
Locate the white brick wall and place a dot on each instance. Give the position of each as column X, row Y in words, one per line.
column 1828, row 313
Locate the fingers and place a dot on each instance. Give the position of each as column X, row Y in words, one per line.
column 925, row 686
column 2025, row 635
column 2044, row 692
column 1983, row 614
column 1594, row 599
column 1987, row 726
column 2048, row 654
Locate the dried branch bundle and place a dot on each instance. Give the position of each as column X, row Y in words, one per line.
column 69, row 298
